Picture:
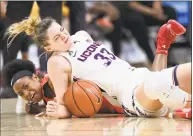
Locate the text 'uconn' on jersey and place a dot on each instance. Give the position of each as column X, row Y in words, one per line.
column 88, row 52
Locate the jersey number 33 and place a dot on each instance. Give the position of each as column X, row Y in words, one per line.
column 102, row 55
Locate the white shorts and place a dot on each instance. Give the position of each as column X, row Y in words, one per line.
column 127, row 88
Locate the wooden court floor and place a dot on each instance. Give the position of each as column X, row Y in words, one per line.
column 107, row 125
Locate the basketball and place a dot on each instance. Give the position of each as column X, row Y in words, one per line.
column 83, row 98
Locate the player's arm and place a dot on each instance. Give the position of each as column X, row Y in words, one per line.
column 58, row 71
column 35, row 108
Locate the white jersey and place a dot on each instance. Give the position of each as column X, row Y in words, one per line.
column 93, row 61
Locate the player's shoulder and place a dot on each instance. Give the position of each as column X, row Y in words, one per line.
column 81, row 35
column 81, row 32
column 59, row 62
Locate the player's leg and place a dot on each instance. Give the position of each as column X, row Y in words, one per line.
column 166, row 35
column 160, row 62
column 110, row 105
column 167, row 87
column 185, row 112
column 183, row 75
column 162, row 88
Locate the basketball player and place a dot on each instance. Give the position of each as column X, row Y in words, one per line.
column 42, row 86
column 37, row 86
column 140, row 92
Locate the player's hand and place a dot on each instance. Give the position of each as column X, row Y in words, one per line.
column 32, row 108
column 56, row 110
column 41, row 114
column 167, row 34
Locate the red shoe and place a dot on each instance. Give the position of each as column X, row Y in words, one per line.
column 184, row 113
column 167, row 34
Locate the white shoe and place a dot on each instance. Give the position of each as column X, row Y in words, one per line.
column 20, row 106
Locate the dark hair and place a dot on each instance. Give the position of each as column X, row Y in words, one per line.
column 15, row 66
column 35, row 27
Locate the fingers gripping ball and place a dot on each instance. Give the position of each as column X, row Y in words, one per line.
column 83, row 98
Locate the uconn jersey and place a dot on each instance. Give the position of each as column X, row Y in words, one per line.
column 93, row 61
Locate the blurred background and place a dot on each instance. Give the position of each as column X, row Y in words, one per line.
column 128, row 28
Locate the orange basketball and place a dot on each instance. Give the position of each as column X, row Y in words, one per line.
column 83, row 98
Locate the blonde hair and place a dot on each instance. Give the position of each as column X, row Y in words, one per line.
column 31, row 26
column 27, row 25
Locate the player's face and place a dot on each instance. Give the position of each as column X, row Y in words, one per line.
column 29, row 88
column 58, row 38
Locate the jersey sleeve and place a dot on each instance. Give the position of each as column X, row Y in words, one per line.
column 48, row 94
column 81, row 35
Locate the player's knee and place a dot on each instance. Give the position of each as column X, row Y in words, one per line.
column 159, row 85
column 156, row 83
